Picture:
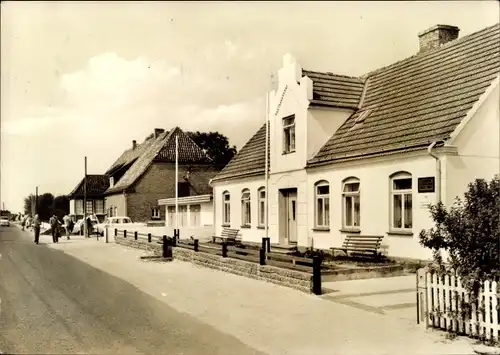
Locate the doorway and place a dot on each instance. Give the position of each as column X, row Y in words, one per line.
column 288, row 216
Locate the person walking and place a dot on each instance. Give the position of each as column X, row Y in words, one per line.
column 67, row 225
column 36, row 227
column 54, row 226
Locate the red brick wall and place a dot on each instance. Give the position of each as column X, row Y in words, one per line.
column 159, row 182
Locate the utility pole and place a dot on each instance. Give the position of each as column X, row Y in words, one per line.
column 85, row 201
column 36, row 200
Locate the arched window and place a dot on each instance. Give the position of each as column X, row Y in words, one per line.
column 401, row 201
column 322, row 210
column 245, row 208
column 261, row 192
column 226, row 208
column 351, row 207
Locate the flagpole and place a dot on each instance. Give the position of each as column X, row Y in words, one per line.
column 267, row 167
column 176, row 182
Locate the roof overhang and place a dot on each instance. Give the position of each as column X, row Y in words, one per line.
column 185, row 200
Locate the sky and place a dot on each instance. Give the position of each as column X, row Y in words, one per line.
column 86, row 78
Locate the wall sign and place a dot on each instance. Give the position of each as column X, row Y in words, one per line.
column 426, row 184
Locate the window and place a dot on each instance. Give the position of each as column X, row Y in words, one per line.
column 262, row 206
column 171, row 216
column 226, row 208
column 79, row 207
column 351, row 203
column 183, row 189
column 194, row 215
column 401, row 200
column 89, row 208
column 322, row 190
column 183, row 216
column 111, row 182
column 99, row 206
column 155, row 213
column 289, row 134
column 245, row 208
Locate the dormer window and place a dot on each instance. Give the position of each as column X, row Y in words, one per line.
column 111, row 182
column 289, row 134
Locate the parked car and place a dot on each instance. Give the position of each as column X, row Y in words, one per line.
column 4, row 222
column 78, row 227
column 116, row 222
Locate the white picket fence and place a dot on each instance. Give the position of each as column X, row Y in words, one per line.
column 440, row 298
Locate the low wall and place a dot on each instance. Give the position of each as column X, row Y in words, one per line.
column 290, row 278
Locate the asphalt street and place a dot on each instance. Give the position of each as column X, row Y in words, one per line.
column 54, row 303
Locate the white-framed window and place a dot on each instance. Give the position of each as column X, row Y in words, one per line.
column 289, row 134
column 246, row 218
column 401, row 201
column 262, row 206
column 194, row 215
column 322, row 210
column 226, row 208
column 99, row 206
column 171, row 216
column 351, row 216
column 111, row 181
column 90, row 205
column 155, row 213
column 79, row 207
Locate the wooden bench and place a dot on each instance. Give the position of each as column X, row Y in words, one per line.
column 228, row 235
column 362, row 245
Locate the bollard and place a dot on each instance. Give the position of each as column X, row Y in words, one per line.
column 167, row 247
column 135, row 235
column 224, row 250
column 262, row 256
column 149, row 237
column 116, row 232
column 196, row 245
column 125, row 233
column 316, row 278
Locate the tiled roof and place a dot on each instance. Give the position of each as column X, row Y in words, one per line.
column 161, row 149
column 334, row 90
column 418, row 100
column 249, row 161
column 130, row 155
column 96, row 186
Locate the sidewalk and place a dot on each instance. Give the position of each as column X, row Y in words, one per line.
column 267, row 317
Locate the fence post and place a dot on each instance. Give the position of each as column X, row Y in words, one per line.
column 107, row 232
column 422, row 310
column 316, row 278
column 264, row 243
column 262, row 256
column 224, row 250
column 196, row 245
column 149, row 237
column 135, row 235
column 116, row 232
column 167, row 248
column 125, row 233
column 174, row 239
column 268, row 244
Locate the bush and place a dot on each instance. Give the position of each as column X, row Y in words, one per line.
column 470, row 233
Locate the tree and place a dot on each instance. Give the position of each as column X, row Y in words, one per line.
column 45, row 206
column 60, row 206
column 29, row 203
column 470, row 233
column 216, row 145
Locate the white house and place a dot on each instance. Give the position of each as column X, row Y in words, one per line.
column 194, row 211
column 369, row 154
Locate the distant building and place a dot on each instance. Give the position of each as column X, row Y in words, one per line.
column 367, row 155
column 145, row 174
column 96, row 186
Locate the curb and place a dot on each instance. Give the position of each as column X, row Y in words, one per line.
column 486, row 350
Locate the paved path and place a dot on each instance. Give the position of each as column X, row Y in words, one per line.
column 267, row 317
column 54, row 303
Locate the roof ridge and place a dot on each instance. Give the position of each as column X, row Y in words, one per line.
column 330, row 73
column 432, row 51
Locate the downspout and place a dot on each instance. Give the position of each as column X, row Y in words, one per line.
column 438, row 169
column 125, row 203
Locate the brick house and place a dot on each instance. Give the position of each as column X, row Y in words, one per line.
column 145, row 173
column 367, row 155
column 96, row 186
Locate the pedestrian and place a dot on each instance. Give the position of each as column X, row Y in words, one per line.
column 36, row 227
column 89, row 227
column 54, row 226
column 23, row 222
column 67, row 225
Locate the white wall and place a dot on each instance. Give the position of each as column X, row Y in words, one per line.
column 321, row 125
column 235, row 187
column 478, row 146
column 375, row 203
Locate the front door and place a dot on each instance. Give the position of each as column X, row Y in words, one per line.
column 291, row 213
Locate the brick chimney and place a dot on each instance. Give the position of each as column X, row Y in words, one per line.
column 134, row 144
column 436, row 36
column 158, row 131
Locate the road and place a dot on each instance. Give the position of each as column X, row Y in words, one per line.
column 54, row 303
